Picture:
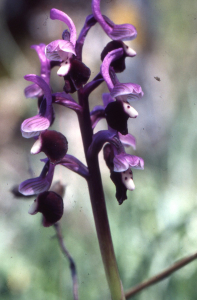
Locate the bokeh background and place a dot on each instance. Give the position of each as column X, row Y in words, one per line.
column 157, row 225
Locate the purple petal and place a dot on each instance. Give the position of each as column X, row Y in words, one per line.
column 111, row 56
column 107, row 99
column 57, row 49
column 127, row 140
column 56, row 14
column 97, row 114
column 32, row 91
column 42, row 84
column 75, row 165
column 115, row 32
column 124, row 161
column 130, row 91
column 44, row 61
column 39, row 184
column 123, row 32
column 34, row 125
column 66, row 100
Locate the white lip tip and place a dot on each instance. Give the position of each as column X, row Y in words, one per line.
column 33, row 208
column 36, row 147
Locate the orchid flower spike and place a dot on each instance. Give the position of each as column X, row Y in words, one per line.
column 34, row 125
column 123, row 32
column 51, row 205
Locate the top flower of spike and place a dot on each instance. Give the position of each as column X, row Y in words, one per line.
column 123, row 32
column 62, row 50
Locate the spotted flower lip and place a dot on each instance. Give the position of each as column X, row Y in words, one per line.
column 39, row 184
column 51, row 205
column 54, row 144
column 122, row 32
column 34, row 125
column 56, row 14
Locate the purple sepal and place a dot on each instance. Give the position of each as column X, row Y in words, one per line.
column 109, row 58
column 44, row 61
column 32, row 126
column 75, row 165
column 123, row 32
column 39, row 184
column 116, row 32
column 107, row 99
column 127, row 91
column 56, row 14
column 42, row 84
column 100, row 138
column 66, row 100
column 96, row 115
column 32, row 91
column 127, row 140
column 124, row 161
column 59, row 50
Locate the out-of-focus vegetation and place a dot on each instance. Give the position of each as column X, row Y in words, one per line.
column 157, row 224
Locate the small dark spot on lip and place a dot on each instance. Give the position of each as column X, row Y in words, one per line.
column 125, row 178
column 157, row 78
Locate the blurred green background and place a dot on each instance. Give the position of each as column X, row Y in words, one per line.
column 156, row 226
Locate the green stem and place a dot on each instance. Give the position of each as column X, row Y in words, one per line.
column 161, row 276
column 98, row 206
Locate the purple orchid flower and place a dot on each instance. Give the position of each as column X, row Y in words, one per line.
column 122, row 32
column 120, row 169
column 56, row 14
column 51, row 205
column 33, row 126
column 75, row 72
column 126, row 90
column 39, row 184
column 119, row 64
column 43, row 182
